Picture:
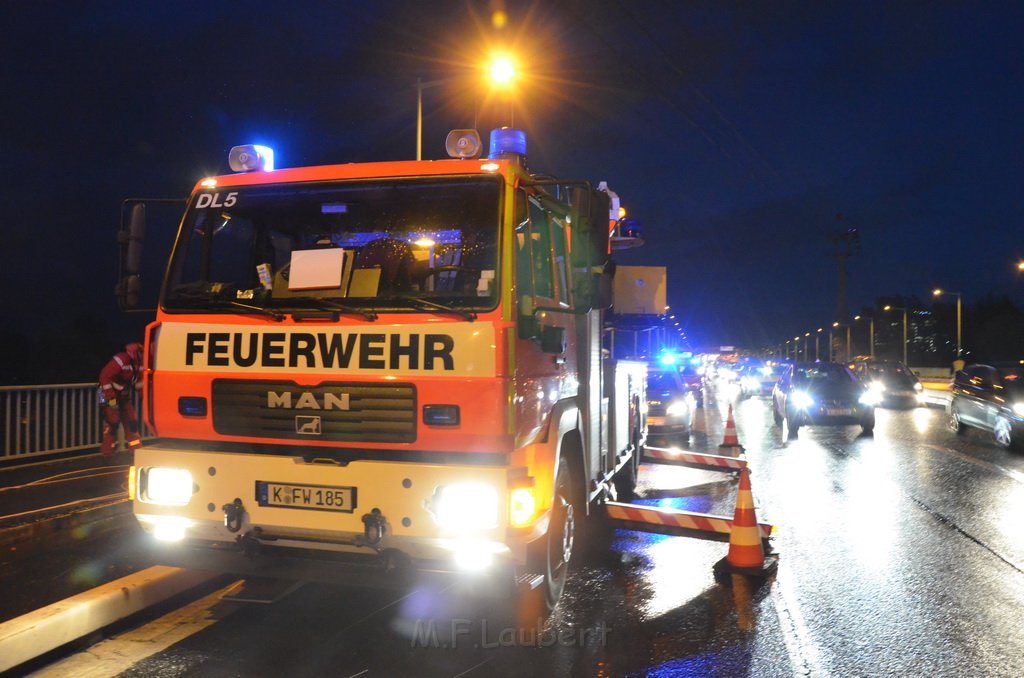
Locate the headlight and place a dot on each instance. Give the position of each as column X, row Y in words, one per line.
column 466, row 506
column 801, row 399
column 1018, row 409
column 676, row 409
column 918, row 387
column 167, row 486
column 870, row 397
column 877, row 387
column 751, row 382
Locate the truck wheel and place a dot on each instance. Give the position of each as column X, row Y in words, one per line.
column 625, row 479
column 561, row 536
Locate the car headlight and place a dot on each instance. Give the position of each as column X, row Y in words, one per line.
column 1018, row 409
column 751, row 382
column 802, row 400
column 676, row 409
column 167, row 486
column 918, row 387
column 870, row 397
column 877, row 387
column 466, row 506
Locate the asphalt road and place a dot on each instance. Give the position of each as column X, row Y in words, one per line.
column 901, row 554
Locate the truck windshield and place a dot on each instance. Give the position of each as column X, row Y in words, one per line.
column 337, row 246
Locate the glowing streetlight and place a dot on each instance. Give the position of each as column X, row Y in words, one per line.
column 501, row 73
column 871, row 333
column 502, row 70
column 817, row 336
column 938, row 292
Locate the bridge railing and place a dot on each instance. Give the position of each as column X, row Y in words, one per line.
column 51, row 419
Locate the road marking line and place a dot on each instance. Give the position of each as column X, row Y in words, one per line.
column 120, row 653
column 803, row 654
column 1009, row 473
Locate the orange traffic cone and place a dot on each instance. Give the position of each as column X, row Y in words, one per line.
column 746, row 554
column 730, row 446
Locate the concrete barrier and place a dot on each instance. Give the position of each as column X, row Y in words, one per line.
column 34, row 634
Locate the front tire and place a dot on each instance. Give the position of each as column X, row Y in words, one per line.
column 867, row 425
column 561, row 537
column 956, row 424
column 1003, row 434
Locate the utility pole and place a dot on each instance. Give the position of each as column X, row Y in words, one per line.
column 846, row 243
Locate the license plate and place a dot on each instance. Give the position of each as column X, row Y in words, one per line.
column 310, row 497
column 839, row 412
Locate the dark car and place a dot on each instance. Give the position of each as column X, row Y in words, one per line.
column 989, row 397
column 758, row 378
column 693, row 378
column 895, row 383
column 670, row 404
column 822, row 394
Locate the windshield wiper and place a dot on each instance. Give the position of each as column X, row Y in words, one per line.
column 210, row 296
column 428, row 304
column 335, row 306
column 276, row 315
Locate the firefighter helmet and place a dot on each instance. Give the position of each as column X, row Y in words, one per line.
column 134, row 351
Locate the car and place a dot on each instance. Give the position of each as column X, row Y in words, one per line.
column 989, row 397
column 693, row 376
column 758, row 378
column 670, row 405
column 822, row 394
column 896, row 384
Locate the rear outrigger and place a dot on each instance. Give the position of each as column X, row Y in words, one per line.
column 362, row 370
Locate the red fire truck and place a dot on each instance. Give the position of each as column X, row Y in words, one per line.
column 363, row 372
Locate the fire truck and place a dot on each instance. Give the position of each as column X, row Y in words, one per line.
column 378, row 372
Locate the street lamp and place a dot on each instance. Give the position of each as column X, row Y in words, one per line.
column 501, row 73
column 897, row 308
column 847, row 326
column 871, row 334
column 817, row 336
column 807, row 349
column 938, row 292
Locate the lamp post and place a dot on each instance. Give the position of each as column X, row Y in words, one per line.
column 501, row 72
column 897, row 308
column 847, row 326
column 807, row 348
column 871, row 333
column 938, row 292
column 817, row 355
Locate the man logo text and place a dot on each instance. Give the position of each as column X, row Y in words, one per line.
column 307, row 401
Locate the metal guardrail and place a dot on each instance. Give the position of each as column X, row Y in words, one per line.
column 51, row 418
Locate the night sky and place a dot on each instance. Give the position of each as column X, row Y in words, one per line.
column 741, row 135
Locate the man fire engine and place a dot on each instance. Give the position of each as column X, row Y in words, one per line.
column 117, row 386
column 366, row 369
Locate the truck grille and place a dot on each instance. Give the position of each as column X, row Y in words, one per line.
column 333, row 411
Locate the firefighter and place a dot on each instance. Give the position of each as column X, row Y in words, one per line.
column 117, row 385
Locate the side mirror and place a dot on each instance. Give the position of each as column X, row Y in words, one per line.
column 131, row 239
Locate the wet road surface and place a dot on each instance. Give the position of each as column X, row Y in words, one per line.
column 901, row 555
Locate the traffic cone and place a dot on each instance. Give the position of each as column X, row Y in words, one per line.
column 746, row 553
column 730, row 446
